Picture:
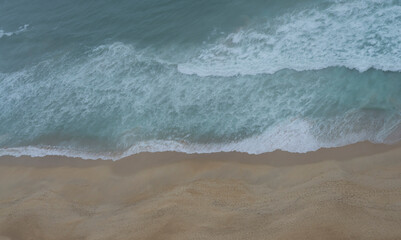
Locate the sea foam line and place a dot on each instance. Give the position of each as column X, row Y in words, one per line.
column 9, row 34
column 286, row 137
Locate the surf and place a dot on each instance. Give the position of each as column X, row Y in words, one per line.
column 354, row 34
column 316, row 74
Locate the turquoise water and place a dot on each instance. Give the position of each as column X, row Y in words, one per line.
column 100, row 79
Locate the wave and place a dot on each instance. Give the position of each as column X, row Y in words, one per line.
column 9, row 34
column 130, row 101
column 293, row 136
column 112, row 99
column 354, row 34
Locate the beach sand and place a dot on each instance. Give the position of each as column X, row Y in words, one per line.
column 352, row 192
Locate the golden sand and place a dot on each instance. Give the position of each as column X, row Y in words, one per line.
column 352, row 192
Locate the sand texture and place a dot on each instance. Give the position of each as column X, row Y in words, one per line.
column 353, row 192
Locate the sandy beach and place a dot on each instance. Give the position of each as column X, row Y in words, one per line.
column 352, row 192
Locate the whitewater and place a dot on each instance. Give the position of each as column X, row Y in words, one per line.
column 232, row 76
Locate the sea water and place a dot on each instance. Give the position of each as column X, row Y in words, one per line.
column 107, row 79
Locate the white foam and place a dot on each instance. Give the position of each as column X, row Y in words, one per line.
column 9, row 34
column 292, row 136
column 107, row 62
column 355, row 34
column 43, row 151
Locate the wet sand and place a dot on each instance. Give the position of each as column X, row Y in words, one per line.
column 352, row 192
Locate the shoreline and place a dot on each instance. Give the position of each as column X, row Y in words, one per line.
column 336, row 193
column 275, row 158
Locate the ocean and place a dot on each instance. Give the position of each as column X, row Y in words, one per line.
column 107, row 79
